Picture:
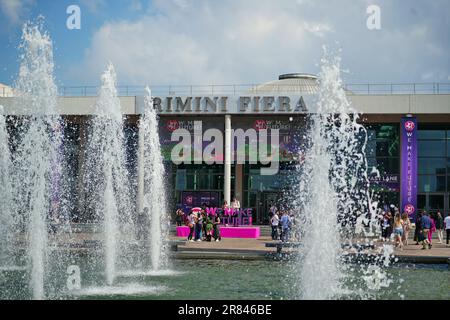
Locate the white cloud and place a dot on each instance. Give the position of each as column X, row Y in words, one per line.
column 14, row 10
column 205, row 42
column 93, row 6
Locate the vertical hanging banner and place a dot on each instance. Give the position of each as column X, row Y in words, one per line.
column 409, row 153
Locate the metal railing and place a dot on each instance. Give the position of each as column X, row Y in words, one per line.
column 236, row 89
column 399, row 88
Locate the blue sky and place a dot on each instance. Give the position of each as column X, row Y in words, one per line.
column 231, row 41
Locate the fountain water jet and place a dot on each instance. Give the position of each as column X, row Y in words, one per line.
column 36, row 157
column 153, row 202
column 106, row 176
column 333, row 188
column 6, row 217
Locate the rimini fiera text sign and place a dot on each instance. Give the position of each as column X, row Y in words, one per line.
column 249, row 104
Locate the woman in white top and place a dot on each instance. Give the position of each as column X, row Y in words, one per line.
column 192, row 220
column 275, row 221
column 235, row 204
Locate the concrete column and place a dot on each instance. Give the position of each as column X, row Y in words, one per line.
column 239, row 182
column 227, row 160
column 140, row 170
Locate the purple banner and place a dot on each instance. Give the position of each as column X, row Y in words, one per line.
column 409, row 152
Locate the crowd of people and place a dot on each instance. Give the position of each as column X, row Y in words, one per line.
column 398, row 226
column 202, row 226
column 282, row 223
column 394, row 226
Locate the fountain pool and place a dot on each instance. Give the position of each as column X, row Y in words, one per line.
column 235, row 279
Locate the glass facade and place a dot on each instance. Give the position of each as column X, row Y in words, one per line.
column 434, row 167
column 258, row 191
column 198, row 178
column 383, row 154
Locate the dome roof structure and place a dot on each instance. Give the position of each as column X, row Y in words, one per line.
column 290, row 83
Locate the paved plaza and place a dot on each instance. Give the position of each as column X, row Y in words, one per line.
column 258, row 247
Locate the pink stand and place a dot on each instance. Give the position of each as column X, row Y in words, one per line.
column 227, row 232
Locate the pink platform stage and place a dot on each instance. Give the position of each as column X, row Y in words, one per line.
column 226, row 232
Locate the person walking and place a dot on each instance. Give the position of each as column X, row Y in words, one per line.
column 440, row 227
column 406, row 228
column 274, row 221
column 426, row 226
column 447, row 228
column 432, row 230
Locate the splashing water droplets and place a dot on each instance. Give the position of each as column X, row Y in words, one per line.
column 333, row 194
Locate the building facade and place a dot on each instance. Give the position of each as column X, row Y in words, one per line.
column 244, row 126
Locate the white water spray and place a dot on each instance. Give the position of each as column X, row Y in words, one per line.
column 333, row 186
column 36, row 156
column 6, row 216
column 106, row 176
column 154, row 194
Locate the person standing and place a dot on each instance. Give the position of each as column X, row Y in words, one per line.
column 179, row 218
column 426, row 226
column 235, row 204
column 209, row 228
column 235, row 207
column 216, row 227
column 391, row 223
column 191, row 224
column 385, row 227
column 440, row 226
column 406, row 228
column 274, row 221
column 285, row 225
column 204, row 223
column 225, row 205
column 447, row 228
column 272, row 210
column 199, row 227
column 418, row 228
column 398, row 231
